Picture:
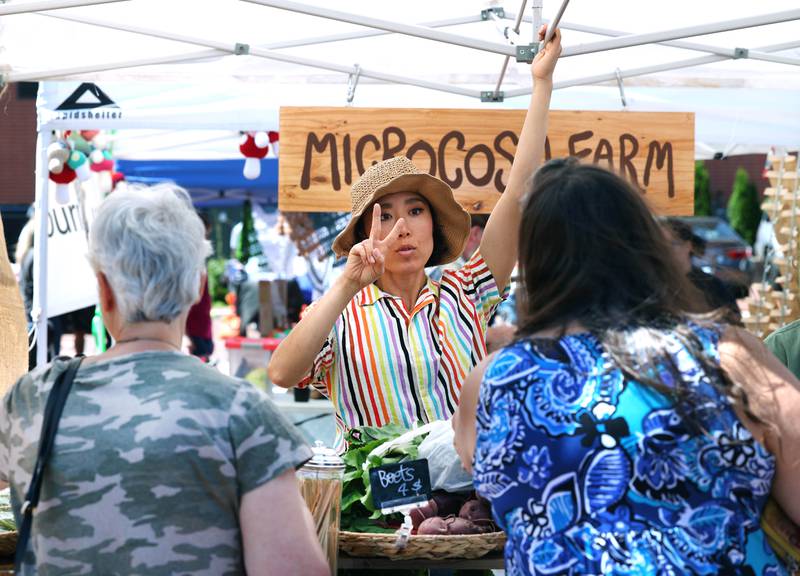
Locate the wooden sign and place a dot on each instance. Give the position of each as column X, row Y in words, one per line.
column 324, row 150
column 397, row 485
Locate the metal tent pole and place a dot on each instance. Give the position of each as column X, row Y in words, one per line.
column 677, row 65
column 367, row 33
column 555, row 23
column 272, row 55
column 38, row 75
column 700, row 30
column 536, row 4
column 696, row 46
column 398, row 27
column 776, row 58
column 211, row 53
column 39, row 311
column 42, row 5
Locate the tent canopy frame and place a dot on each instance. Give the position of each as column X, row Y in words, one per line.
column 377, row 26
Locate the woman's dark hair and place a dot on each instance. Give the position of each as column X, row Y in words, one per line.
column 439, row 242
column 684, row 232
column 592, row 253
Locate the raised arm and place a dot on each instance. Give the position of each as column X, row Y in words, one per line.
column 499, row 242
column 774, row 396
column 295, row 356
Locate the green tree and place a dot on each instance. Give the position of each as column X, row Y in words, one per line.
column 702, row 190
column 245, row 248
column 744, row 209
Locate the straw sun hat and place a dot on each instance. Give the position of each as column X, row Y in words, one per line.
column 400, row 175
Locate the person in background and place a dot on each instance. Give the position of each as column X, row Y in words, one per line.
column 161, row 464
column 198, row 322
column 498, row 334
column 784, row 343
column 24, row 257
column 471, row 245
column 386, row 343
column 625, row 430
column 14, row 334
column 685, row 245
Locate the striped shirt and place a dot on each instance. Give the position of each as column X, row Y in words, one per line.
column 384, row 364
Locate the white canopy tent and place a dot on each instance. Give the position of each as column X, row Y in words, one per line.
column 234, row 62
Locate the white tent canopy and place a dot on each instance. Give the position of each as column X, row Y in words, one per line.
column 232, row 63
column 742, row 105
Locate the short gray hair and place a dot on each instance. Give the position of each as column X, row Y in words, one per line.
column 150, row 245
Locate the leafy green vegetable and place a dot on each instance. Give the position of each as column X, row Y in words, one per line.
column 358, row 511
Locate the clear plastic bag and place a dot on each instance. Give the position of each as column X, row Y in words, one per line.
column 444, row 464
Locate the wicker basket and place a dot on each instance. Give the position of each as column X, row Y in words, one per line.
column 8, row 543
column 464, row 546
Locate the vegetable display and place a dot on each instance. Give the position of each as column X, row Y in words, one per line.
column 7, row 523
column 444, row 514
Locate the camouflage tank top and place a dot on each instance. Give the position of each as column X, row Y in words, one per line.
column 153, row 454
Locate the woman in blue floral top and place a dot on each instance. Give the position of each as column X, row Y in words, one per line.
column 623, row 432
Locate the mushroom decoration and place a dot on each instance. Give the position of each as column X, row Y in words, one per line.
column 57, row 156
column 89, row 135
column 103, row 165
column 63, row 178
column 249, row 146
column 116, row 178
column 80, row 164
column 102, row 161
column 274, row 138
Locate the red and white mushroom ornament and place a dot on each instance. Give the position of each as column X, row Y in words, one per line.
column 254, row 146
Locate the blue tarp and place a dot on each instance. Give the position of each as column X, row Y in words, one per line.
column 207, row 178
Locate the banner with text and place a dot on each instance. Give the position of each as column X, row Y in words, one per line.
column 324, row 150
column 71, row 283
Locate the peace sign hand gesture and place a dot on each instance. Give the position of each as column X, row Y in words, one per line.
column 366, row 260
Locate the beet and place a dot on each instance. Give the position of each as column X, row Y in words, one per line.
column 429, row 510
column 476, row 511
column 462, row 526
column 447, row 503
column 435, row 526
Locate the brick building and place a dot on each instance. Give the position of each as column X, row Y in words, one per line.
column 18, row 156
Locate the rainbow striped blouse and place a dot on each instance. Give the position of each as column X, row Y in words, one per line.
column 384, row 364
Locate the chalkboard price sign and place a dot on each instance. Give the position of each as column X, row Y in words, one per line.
column 403, row 484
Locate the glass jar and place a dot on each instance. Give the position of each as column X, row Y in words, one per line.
column 321, row 486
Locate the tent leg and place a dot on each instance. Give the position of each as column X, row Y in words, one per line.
column 39, row 311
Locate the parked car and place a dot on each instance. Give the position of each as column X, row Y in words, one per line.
column 727, row 256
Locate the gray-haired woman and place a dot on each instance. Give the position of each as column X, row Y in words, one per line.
column 161, row 464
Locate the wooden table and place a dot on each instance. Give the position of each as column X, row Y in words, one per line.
column 492, row 561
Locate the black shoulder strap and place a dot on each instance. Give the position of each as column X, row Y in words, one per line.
column 52, row 414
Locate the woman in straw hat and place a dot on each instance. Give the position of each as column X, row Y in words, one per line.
column 386, row 344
